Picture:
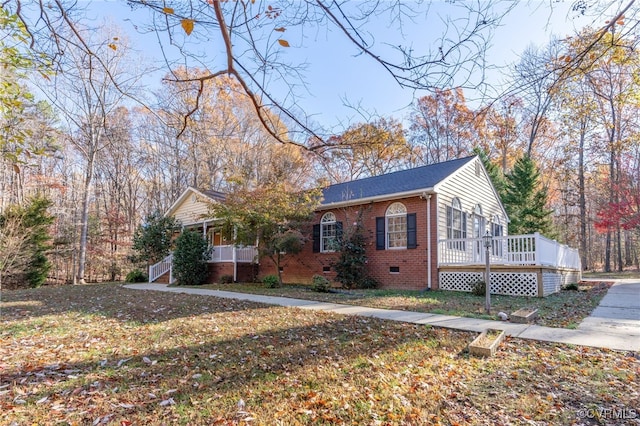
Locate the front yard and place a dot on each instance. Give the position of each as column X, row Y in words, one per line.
column 565, row 309
column 104, row 354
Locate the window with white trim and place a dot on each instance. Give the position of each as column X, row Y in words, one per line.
column 328, row 233
column 497, row 230
column 456, row 225
column 396, row 225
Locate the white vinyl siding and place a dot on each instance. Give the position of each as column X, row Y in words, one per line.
column 191, row 210
column 471, row 189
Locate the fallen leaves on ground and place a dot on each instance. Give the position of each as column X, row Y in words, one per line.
column 565, row 309
column 107, row 355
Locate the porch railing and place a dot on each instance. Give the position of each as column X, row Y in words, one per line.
column 532, row 249
column 229, row 253
column 161, row 268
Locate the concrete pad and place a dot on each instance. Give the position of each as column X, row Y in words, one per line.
column 617, row 313
column 616, row 320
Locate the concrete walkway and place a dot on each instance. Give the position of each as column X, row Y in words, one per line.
column 614, row 324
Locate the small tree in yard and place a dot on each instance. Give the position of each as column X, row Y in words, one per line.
column 152, row 240
column 287, row 241
column 190, row 258
column 273, row 215
column 351, row 266
column 24, row 243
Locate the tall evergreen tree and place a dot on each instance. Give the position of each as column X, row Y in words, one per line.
column 525, row 200
column 24, row 243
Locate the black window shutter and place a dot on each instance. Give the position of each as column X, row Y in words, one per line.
column 412, row 240
column 380, row 237
column 316, row 238
column 339, row 231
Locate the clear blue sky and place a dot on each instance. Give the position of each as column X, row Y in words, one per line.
column 336, row 74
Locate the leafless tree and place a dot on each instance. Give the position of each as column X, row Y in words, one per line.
column 252, row 37
column 88, row 87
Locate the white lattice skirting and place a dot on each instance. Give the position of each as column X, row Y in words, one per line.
column 507, row 283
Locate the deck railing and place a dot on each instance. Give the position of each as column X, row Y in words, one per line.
column 161, row 268
column 230, row 253
column 532, row 249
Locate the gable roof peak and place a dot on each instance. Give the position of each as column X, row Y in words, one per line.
column 423, row 178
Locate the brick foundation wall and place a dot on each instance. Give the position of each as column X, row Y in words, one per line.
column 247, row 272
column 411, row 264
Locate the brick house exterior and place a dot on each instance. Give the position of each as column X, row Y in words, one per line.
column 415, row 202
column 405, row 214
column 424, row 229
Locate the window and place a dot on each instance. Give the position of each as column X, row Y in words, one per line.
column 456, row 225
column 497, row 230
column 479, row 230
column 396, row 226
column 328, row 233
column 396, row 229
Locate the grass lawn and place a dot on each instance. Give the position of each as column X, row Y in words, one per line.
column 106, row 355
column 565, row 309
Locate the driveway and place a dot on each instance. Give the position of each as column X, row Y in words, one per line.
column 618, row 312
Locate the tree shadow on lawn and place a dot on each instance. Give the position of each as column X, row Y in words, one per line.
column 192, row 361
column 115, row 301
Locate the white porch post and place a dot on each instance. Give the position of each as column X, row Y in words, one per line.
column 537, row 251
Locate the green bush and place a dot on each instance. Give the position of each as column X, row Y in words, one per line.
column 152, row 240
column 351, row 266
column 572, row 287
column 190, row 258
column 137, row 276
column 320, row 284
column 226, row 279
column 25, row 242
column 271, row 281
column 369, row 283
column 479, row 288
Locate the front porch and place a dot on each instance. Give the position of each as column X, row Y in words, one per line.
column 521, row 265
column 235, row 261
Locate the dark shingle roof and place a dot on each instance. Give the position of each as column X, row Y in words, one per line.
column 215, row 195
column 424, row 177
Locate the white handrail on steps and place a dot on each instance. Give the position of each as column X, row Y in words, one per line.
column 161, row 268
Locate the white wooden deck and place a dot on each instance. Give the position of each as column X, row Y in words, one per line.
column 532, row 249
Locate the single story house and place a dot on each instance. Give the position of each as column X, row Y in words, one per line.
column 424, row 229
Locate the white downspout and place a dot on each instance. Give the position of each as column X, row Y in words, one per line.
column 235, row 255
column 429, row 242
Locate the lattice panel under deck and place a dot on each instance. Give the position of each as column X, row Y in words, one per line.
column 515, row 283
column 507, row 283
column 551, row 283
column 460, row 281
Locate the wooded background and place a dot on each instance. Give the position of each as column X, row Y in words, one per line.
column 73, row 131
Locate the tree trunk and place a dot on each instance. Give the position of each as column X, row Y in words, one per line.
column 584, row 258
column 84, row 220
